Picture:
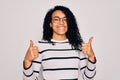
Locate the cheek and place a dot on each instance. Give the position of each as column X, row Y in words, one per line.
column 54, row 28
column 66, row 27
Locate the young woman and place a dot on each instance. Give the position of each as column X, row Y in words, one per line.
column 61, row 54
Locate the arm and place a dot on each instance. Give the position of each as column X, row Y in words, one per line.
column 88, row 61
column 31, row 63
column 87, row 67
column 32, row 72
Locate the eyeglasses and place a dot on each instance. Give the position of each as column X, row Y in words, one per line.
column 58, row 19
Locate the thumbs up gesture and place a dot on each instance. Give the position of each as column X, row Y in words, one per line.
column 32, row 53
column 87, row 49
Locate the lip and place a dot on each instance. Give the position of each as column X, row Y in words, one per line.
column 61, row 27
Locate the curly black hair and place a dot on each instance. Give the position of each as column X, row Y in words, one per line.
column 72, row 34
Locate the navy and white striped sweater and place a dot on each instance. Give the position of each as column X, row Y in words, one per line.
column 59, row 62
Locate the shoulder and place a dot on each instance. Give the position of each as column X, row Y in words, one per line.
column 43, row 44
column 42, row 41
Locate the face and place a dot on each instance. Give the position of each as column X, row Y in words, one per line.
column 59, row 23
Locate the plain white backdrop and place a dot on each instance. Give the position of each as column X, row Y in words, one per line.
column 21, row 20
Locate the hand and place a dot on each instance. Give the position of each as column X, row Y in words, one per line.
column 87, row 49
column 32, row 53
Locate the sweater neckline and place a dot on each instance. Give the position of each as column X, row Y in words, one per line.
column 53, row 40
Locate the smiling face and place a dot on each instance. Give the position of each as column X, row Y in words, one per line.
column 59, row 25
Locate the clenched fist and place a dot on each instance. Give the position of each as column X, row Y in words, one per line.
column 32, row 53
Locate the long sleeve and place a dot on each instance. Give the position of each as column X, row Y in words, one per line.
column 59, row 62
column 32, row 73
column 88, row 68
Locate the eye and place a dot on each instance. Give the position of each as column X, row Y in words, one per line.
column 64, row 19
column 56, row 19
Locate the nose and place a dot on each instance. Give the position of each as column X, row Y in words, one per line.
column 61, row 21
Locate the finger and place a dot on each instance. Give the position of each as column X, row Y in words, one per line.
column 31, row 43
column 84, row 51
column 36, row 53
column 84, row 44
column 35, row 47
column 90, row 40
column 84, row 48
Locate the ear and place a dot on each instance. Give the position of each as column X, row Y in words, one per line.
column 50, row 24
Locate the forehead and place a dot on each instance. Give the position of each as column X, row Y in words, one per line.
column 58, row 13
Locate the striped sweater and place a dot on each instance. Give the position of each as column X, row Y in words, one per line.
column 59, row 61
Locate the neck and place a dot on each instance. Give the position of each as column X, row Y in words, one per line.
column 59, row 37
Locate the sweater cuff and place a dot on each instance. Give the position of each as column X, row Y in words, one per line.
column 24, row 66
column 91, row 65
column 27, row 71
column 94, row 61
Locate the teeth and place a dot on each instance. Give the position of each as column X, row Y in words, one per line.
column 61, row 27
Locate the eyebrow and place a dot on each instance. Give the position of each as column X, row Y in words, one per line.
column 58, row 17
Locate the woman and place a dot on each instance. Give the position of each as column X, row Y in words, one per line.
column 61, row 54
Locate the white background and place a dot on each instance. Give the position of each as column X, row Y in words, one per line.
column 21, row 20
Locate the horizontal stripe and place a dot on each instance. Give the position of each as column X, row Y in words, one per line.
column 83, row 67
column 52, row 42
column 55, row 69
column 31, row 73
column 83, row 58
column 70, row 79
column 89, row 76
column 66, row 79
column 91, row 69
column 42, row 42
column 52, row 58
column 58, row 50
column 28, row 75
column 36, row 62
column 36, row 71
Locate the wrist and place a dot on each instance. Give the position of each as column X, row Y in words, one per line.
column 91, row 58
column 27, row 63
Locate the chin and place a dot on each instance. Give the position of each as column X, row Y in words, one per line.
column 61, row 33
